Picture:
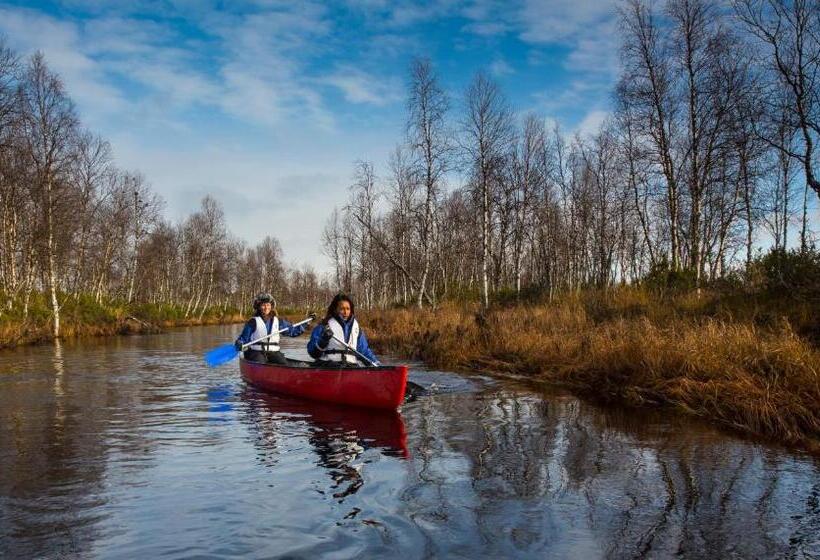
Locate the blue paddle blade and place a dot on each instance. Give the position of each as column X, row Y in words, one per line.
column 220, row 355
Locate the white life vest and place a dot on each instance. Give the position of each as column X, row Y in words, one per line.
column 336, row 351
column 270, row 344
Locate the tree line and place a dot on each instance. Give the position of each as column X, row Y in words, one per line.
column 73, row 224
column 709, row 154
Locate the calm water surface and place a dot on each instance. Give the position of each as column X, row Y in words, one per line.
column 132, row 448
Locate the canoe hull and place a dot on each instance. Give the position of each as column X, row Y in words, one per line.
column 379, row 387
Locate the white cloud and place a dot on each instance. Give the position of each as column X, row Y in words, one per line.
column 250, row 97
column 260, row 60
column 361, row 87
column 28, row 31
column 264, row 189
column 563, row 22
column 156, row 8
column 266, row 57
column 408, row 14
column 402, row 14
column 588, row 27
column 487, row 28
column 487, row 17
column 367, row 5
column 576, row 93
column 121, row 36
column 592, row 122
column 596, row 53
column 499, row 67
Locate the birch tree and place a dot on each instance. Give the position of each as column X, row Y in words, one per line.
column 487, row 130
column 788, row 32
column 49, row 123
column 427, row 138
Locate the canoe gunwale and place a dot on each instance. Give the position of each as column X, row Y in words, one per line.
column 312, row 366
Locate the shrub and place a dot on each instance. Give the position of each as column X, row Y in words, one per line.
column 792, row 273
column 662, row 278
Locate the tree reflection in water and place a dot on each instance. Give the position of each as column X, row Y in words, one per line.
column 60, row 428
column 515, row 475
column 337, row 434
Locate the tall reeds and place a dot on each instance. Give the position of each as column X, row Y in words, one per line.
column 626, row 346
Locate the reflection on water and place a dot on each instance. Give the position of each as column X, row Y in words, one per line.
column 337, row 425
column 130, row 448
column 559, row 475
column 338, row 435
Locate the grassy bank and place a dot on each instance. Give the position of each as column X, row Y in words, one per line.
column 748, row 363
column 84, row 316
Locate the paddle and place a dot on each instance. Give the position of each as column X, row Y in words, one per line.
column 227, row 352
column 359, row 354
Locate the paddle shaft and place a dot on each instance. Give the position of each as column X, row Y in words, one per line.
column 359, row 354
column 280, row 331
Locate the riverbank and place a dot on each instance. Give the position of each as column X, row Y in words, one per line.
column 84, row 317
column 752, row 365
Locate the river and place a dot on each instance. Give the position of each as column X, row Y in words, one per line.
column 130, row 447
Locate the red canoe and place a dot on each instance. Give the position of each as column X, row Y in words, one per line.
column 373, row 387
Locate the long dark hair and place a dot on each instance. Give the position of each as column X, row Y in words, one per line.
column 331, row 309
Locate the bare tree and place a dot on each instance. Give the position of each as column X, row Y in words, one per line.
column 427, row 137
column 701, row 49
column 91, row 166
column 146, row 206
column 487, row 129
column 50, row 124
column 331, row 244
column 648, row 83
column 403, row 193
column 789, row 33
column 529, row 177
column 12, row 200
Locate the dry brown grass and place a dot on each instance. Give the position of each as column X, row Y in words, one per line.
column 628, row 348
column 20, row 333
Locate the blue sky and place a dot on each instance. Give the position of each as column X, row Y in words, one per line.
column 267, row 104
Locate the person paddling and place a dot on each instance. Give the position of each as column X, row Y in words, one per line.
column 339, row 322
column 264, row 322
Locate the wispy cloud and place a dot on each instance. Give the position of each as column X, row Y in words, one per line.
column 487, row 28
column 544, row 22
column 261, row 61
column 266, row 57
column 360, row 87
column 587, row 27
column 402, row 14
column 576, row 93
column 500, row 67
column 591, row 123
column 61, row 42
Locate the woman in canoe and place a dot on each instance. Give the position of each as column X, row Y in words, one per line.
column 264, row 322
column 340, row 324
